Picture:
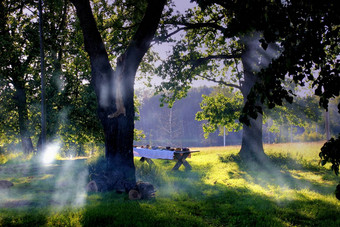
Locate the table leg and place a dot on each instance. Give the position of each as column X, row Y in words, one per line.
column 148, row 160
column 187, row 165
column 181, row 160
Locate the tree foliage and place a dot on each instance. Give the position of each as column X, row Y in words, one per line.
column 330, row 153
column 221, row 108
column 18, row 49
column 307, row 35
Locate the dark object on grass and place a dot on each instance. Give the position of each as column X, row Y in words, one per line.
column 337, row 192
column 146, row 190
column 134, row 195
column 107, row 179
column 4, row 184
column 330, row 152
column 143, row 190
column 92, row 186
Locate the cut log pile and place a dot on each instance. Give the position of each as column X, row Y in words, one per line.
column 142, row 190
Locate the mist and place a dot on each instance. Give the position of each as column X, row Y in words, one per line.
column 45, row 181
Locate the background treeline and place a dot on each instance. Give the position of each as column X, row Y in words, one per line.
column 179, row 125
column 73, row 124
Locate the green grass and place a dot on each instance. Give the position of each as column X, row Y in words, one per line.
column 220, row 191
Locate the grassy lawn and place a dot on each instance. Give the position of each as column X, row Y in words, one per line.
column 220, row 191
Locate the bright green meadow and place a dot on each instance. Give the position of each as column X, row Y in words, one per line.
column 221, row 190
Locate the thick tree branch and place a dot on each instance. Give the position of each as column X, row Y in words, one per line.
column 94, row 44
column 121, row 27
column 200, row 61
column 188, row 26
column 202, row 25
column 220, row 81
column 141, row 41
column 163, row 38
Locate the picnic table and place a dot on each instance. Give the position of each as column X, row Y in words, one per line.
column 179, row 155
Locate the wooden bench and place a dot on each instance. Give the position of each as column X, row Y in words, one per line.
column 180, row 156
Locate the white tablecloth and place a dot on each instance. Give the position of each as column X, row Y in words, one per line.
column 154, row 154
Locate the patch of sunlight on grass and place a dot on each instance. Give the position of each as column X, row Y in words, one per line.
column 218, row 191
column 31, row 179
column 309, row 151
column 45, row 176
column 217, row 172
column 308, row 195
column 67, row 217
column 216, row 150
column 58, row 157
column 311, row 176
column 11, row 157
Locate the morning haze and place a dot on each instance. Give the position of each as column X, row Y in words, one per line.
column 168, row 113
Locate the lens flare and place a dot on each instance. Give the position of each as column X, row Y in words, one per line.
column 50, row 153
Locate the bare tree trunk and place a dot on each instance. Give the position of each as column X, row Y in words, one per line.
column 21, row 102
column 114, row 89
column 42, row 66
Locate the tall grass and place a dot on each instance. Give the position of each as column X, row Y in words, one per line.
column 219, row 191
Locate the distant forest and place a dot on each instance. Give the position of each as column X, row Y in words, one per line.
column 178, row 127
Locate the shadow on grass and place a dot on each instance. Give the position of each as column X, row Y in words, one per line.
column 286, row 172
column 182, row 199
column 198, row 204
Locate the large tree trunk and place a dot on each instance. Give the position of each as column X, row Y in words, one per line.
column 21, row 102
column 252, row 141
column 114, row 89
column 252, row 144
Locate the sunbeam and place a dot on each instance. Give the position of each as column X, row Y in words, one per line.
column 49, row 155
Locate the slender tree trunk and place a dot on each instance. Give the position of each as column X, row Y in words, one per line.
column 43, row 83
column 114, row 89
column 21, row 102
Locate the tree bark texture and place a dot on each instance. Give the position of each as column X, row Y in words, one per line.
column 16, row 76
column 115, row 89
column 252, row 141
column 21, row 103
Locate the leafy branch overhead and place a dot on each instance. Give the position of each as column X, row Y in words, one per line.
column 306, row 34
